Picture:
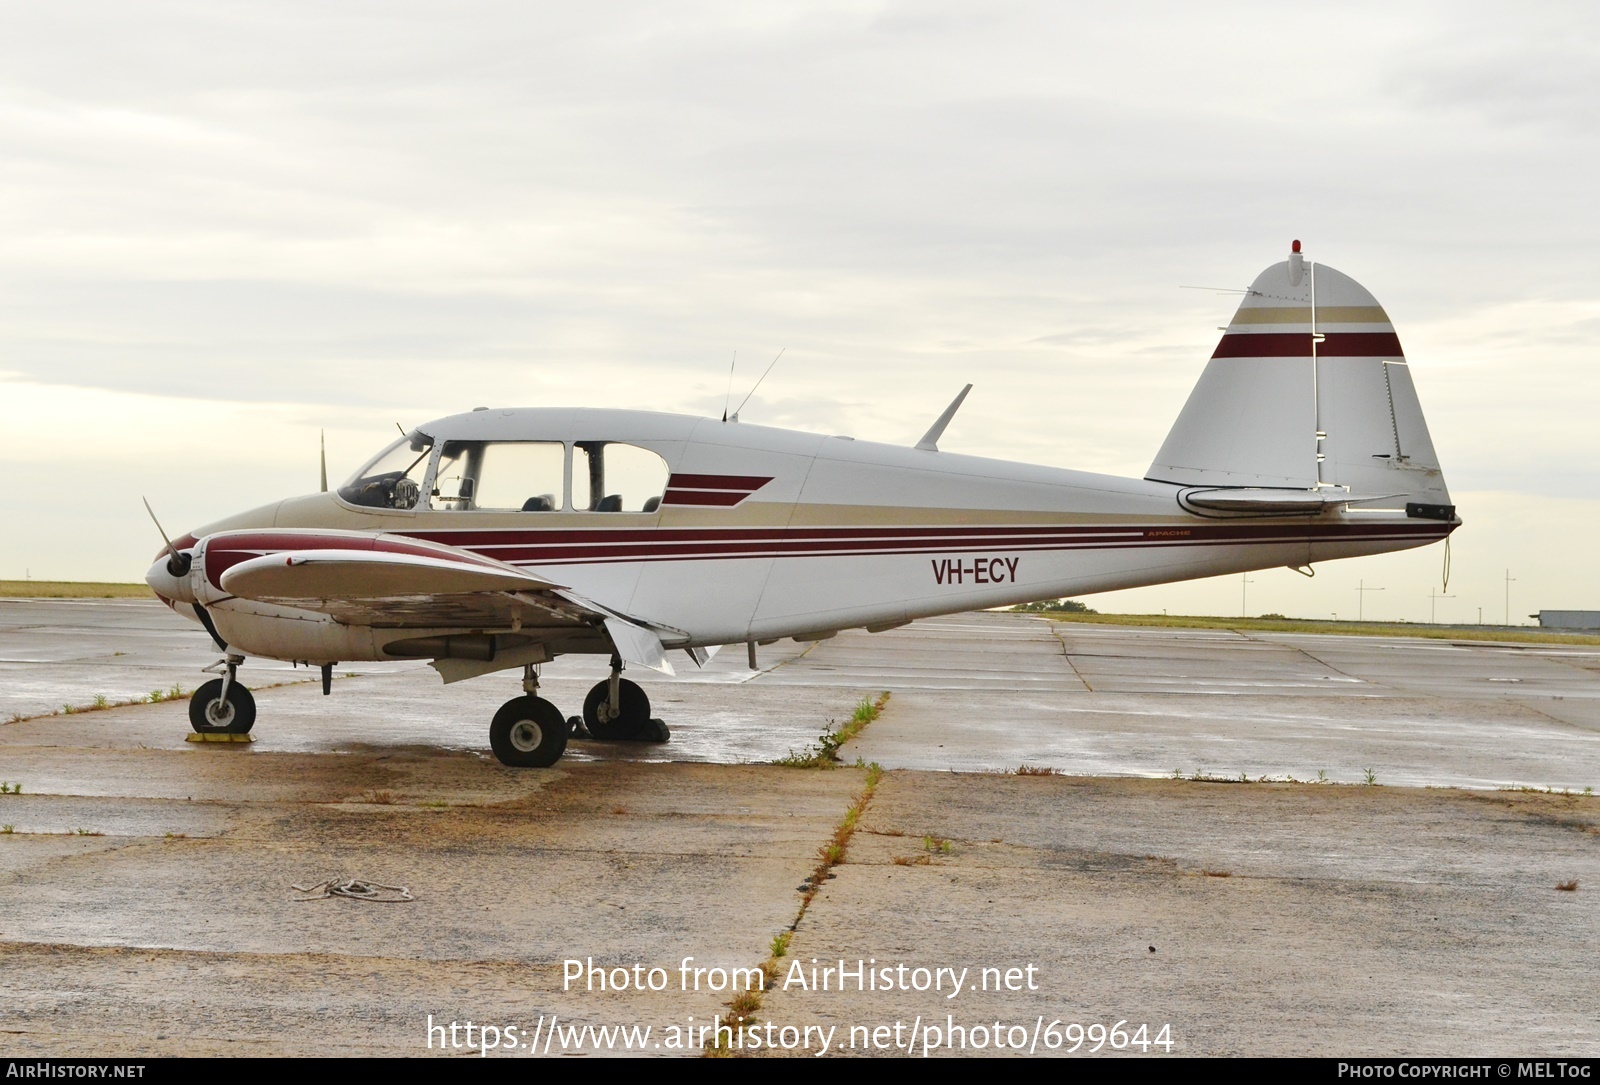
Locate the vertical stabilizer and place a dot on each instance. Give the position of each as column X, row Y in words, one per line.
column 1308, row 389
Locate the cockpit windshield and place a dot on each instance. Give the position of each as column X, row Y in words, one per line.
column 393, row 478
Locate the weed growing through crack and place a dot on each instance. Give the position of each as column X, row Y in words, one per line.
column 825, row 754
column 1369, row 776
column 10, row 789
column 8, row 829
column 747, row 1004
column 1568, row 887
column 1032, row 770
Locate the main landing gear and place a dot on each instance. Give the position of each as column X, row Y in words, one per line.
column 529, row 732
column 222, row 706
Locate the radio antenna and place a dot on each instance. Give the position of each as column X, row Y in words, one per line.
column 728, row 396
column 752, row 391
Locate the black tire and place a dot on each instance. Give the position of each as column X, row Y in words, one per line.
column 209, row 714
column 528, row 733
column 635, row 711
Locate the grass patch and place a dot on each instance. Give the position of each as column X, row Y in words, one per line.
column 384, row 797
column 1217, row 873
column 825, row 754
column 1033, row 770
column 1516, row 634
column 72, row 589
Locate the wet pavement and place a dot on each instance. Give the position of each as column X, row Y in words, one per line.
column 975, row 692
column 145, row 882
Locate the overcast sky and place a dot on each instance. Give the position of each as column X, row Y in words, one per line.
column 224, row 227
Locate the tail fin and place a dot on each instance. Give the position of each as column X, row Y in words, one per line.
column 1308, row 390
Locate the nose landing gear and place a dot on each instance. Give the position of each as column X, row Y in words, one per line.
column 222, row 705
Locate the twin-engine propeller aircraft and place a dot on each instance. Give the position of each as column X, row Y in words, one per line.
column 500, row 539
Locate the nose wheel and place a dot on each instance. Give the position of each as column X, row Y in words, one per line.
column 222, row 707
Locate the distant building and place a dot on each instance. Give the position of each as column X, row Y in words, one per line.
column 1568, row 619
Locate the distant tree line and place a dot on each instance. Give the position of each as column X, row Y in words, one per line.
column 1054, row 606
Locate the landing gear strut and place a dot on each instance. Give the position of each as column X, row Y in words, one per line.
column 528, row 731
column 222, row 705
column 618, row 710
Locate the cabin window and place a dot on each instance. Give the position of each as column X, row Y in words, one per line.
column 612, row 477
column 393, row 478
column 503, row 476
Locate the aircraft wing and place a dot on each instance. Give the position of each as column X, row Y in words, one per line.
column 439, row 589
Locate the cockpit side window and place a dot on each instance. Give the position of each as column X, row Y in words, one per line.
column 503, row 476
column 393, row 478
column 612, row 477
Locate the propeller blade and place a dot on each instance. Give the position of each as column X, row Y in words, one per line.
column 177, row 562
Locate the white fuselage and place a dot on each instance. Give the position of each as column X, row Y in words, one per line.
column 764, row 533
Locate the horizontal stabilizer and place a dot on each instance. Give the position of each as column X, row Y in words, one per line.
column 295, row 577
column 1282, row 502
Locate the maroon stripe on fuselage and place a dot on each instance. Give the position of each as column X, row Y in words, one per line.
column 747, row 483
column 704, row 498
column 1298, row 345
column 556, row 547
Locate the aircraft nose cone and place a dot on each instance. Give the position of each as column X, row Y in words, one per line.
column 174, row 589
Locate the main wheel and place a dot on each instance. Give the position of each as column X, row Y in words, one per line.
column 528, row 733
column 210, row 714
column 635, row 711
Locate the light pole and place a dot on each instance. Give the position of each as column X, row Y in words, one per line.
column 1509, row 581
column 1244, row 587
column 1433, row 603
column 1361, row 595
